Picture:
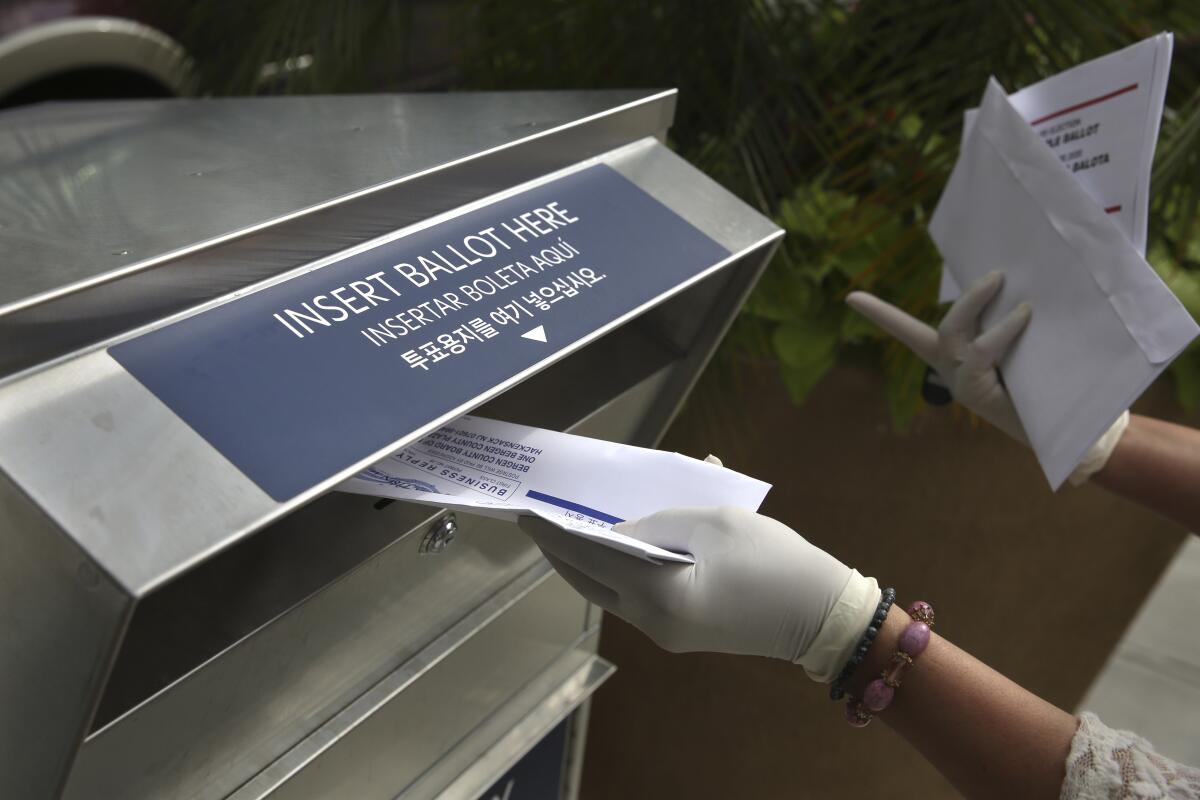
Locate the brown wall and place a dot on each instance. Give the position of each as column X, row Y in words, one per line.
column 1039, row 585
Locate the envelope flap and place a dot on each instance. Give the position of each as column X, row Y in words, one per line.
column 1134, row 290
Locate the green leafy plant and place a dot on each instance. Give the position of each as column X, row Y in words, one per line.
column 840, row 120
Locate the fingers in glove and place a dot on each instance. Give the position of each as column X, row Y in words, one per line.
column 961, row 323
column 993, row 343
column 618, row 571
column 696, row 531
column 591, row 589
column 914, row 334
column 711, row 459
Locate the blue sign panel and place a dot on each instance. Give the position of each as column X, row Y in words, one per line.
column 302, row 379
column 537, row 776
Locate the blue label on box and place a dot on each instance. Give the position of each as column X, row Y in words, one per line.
column 302, row 379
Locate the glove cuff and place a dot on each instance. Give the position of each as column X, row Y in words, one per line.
column 842, row 629
column 1097, row 456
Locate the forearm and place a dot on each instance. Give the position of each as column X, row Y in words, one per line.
column 1157, row 464
column 987, row 735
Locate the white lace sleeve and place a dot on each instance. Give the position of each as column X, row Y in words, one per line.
column 1118, row 765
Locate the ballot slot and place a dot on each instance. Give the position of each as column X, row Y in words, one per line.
column 194, row 618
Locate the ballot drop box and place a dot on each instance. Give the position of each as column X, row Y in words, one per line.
column 213, row 311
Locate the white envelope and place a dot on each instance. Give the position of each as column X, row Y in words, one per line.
column 1104, row 325
column 583, row 485
column 1102, row 118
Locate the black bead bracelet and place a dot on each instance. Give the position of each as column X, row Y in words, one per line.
column 837, row 689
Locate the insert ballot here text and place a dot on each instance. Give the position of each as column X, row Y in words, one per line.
column 526, row 247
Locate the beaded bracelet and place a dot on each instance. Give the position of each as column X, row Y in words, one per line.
column 879, row 693
column 836, row 689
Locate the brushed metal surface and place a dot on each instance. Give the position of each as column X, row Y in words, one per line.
column 60, row 621
column 129, row 212
column 215, row 728
column 191, row 621
column 117, row 470
column 703, row 202
column 576, row 745
column 314, row 746
column 148, row 179
column 417, row 717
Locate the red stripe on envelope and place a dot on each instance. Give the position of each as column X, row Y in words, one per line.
column 1085, row 104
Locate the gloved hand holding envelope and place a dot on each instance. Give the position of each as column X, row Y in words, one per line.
column 583, row 485
column 1104, row 326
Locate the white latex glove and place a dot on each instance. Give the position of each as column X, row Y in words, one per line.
column 757, row 587
column 965, row 358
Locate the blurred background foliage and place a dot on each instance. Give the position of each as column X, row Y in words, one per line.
column 840, row 120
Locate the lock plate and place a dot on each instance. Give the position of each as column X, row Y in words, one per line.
column 440, row 535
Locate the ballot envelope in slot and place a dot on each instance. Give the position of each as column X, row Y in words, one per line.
column 188, row 610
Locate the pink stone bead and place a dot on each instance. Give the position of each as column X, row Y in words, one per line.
column 921, row 612
column 915, row 639
column 877, row 696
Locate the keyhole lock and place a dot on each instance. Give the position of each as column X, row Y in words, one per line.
column 439, row 537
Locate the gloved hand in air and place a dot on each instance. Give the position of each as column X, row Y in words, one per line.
column 757, row 586
column 965, row 359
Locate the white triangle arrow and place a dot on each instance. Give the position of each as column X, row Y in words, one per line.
column 538, row 334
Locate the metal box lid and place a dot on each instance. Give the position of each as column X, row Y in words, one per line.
column 113, row 214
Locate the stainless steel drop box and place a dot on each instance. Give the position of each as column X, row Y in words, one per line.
column 211, row 312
